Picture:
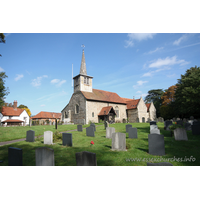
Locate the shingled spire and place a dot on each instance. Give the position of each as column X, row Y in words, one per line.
column 83, row 65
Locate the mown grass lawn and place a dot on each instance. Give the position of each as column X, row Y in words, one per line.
column 65, row 156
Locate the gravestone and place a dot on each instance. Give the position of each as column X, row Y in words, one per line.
column 109, row 131
column 156, row 120
column 93, row 125
column 160, row 119
column 30, row 136
column 128, row 126
column 180, row 134
column 132, row 133
column 167, row 124
column 15, row 156
column 143, row 120
column 178, row 119
column 190, row 121
column 155, row 131
column 137, row 120
column 188, row 126
column 184, row 120
column 50, row 123
column 196, row 129
column 56, row 125
column 152, row 123
column 30, row 122
column 48, row 137
column 90, row 131
column 67, row 139
column 119, row 141
column 44, row 156
column 156, row 144
column 80, row 128
column 86, row 158
column 179, row 122
column 153, row 127
column 159, row 164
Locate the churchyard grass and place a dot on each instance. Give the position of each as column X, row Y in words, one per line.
column 138, row 148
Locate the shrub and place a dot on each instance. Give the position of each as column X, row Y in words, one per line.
column 175, row 126
column 57, row 136
column 128, row 146
column 124, row 120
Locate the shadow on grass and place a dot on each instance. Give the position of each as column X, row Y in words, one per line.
column 107, row 146
column 103, row 136
column 145, row 150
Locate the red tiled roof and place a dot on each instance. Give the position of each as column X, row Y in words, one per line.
column 10, row 111
column 148, row 105
column 100, row 95
column 105, row 110
column 132, row 104
column 13, row 120
column 126, row 99
column 47, row 115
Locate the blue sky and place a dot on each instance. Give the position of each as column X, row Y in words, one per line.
column 39, row 66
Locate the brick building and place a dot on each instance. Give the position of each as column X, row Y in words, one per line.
column 88, row 104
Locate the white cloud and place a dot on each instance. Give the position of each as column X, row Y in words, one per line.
column 157, row 49
column 148, row 74
column 138, row 37
column 42, row 105
column 182, row 38
column 37, row 82
column 166, row 62
column 58, row 82
column 139, row 92
column 139, row 83
column 1, row 69
column 19, row 76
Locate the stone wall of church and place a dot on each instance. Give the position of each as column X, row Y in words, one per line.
column 142, row 110
column 132, row 115
column 76, row 99
column 95, row 106
column 152, row 112
column 85, row 87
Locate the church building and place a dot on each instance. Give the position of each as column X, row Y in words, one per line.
column 92, row 105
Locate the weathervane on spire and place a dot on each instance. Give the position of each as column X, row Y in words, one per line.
column 83, row 46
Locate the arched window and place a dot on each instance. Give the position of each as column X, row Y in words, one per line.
column 77, row 109
column 117, row 111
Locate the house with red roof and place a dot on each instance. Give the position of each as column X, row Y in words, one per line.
column 13, row 116
column 88, row 104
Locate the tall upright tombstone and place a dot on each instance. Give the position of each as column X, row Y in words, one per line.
column 86, row 158
column 30, row 136
column 44, row 156
column 152, row 123
column 15, row 157
column 30, row 122
column 109, row 132
column 119, row 141
column 67, row 139
column 156, row 144
column 132, row 133
column 93, row 125
column 196, row 129
column 90, row 131
column 188, row 126
column 80, row 128
column 128, row 126
column 48, row 137
column 153, row 127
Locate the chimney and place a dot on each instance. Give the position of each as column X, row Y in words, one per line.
column 15, row 105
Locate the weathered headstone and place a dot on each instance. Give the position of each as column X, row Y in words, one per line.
column 167, row 124
column 93, row 125
column 155, row 131
column 159, row 164
column 48, row 137
column 156, row 144
column 188, row 126
column 15, row 156
column 152, row 123
column 160, row 119
column 90, row 131
column 196, row 129
column 179, row 122
column 30, row 122
column 79, row 127
column 143, row 120
column 109, row 131
column 128, row 126
column 119, row 141
column 132, row 133
column 178, row 119
column 67, row 139
column 30, row 136
column 44, row 156
column 153, row 127
column 86, row 158
column 180, row 134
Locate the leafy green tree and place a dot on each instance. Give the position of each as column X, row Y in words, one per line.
column 26, row 108
column 3, row 90
column 155, row 97
column 188, row 93
column 2, row 36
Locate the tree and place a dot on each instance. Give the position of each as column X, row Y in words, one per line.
column 25, row 108
column 3, row 90
column 8, row 104
column 169, row 95
column 2, row 36
column 155, row 97
column 188, row 93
